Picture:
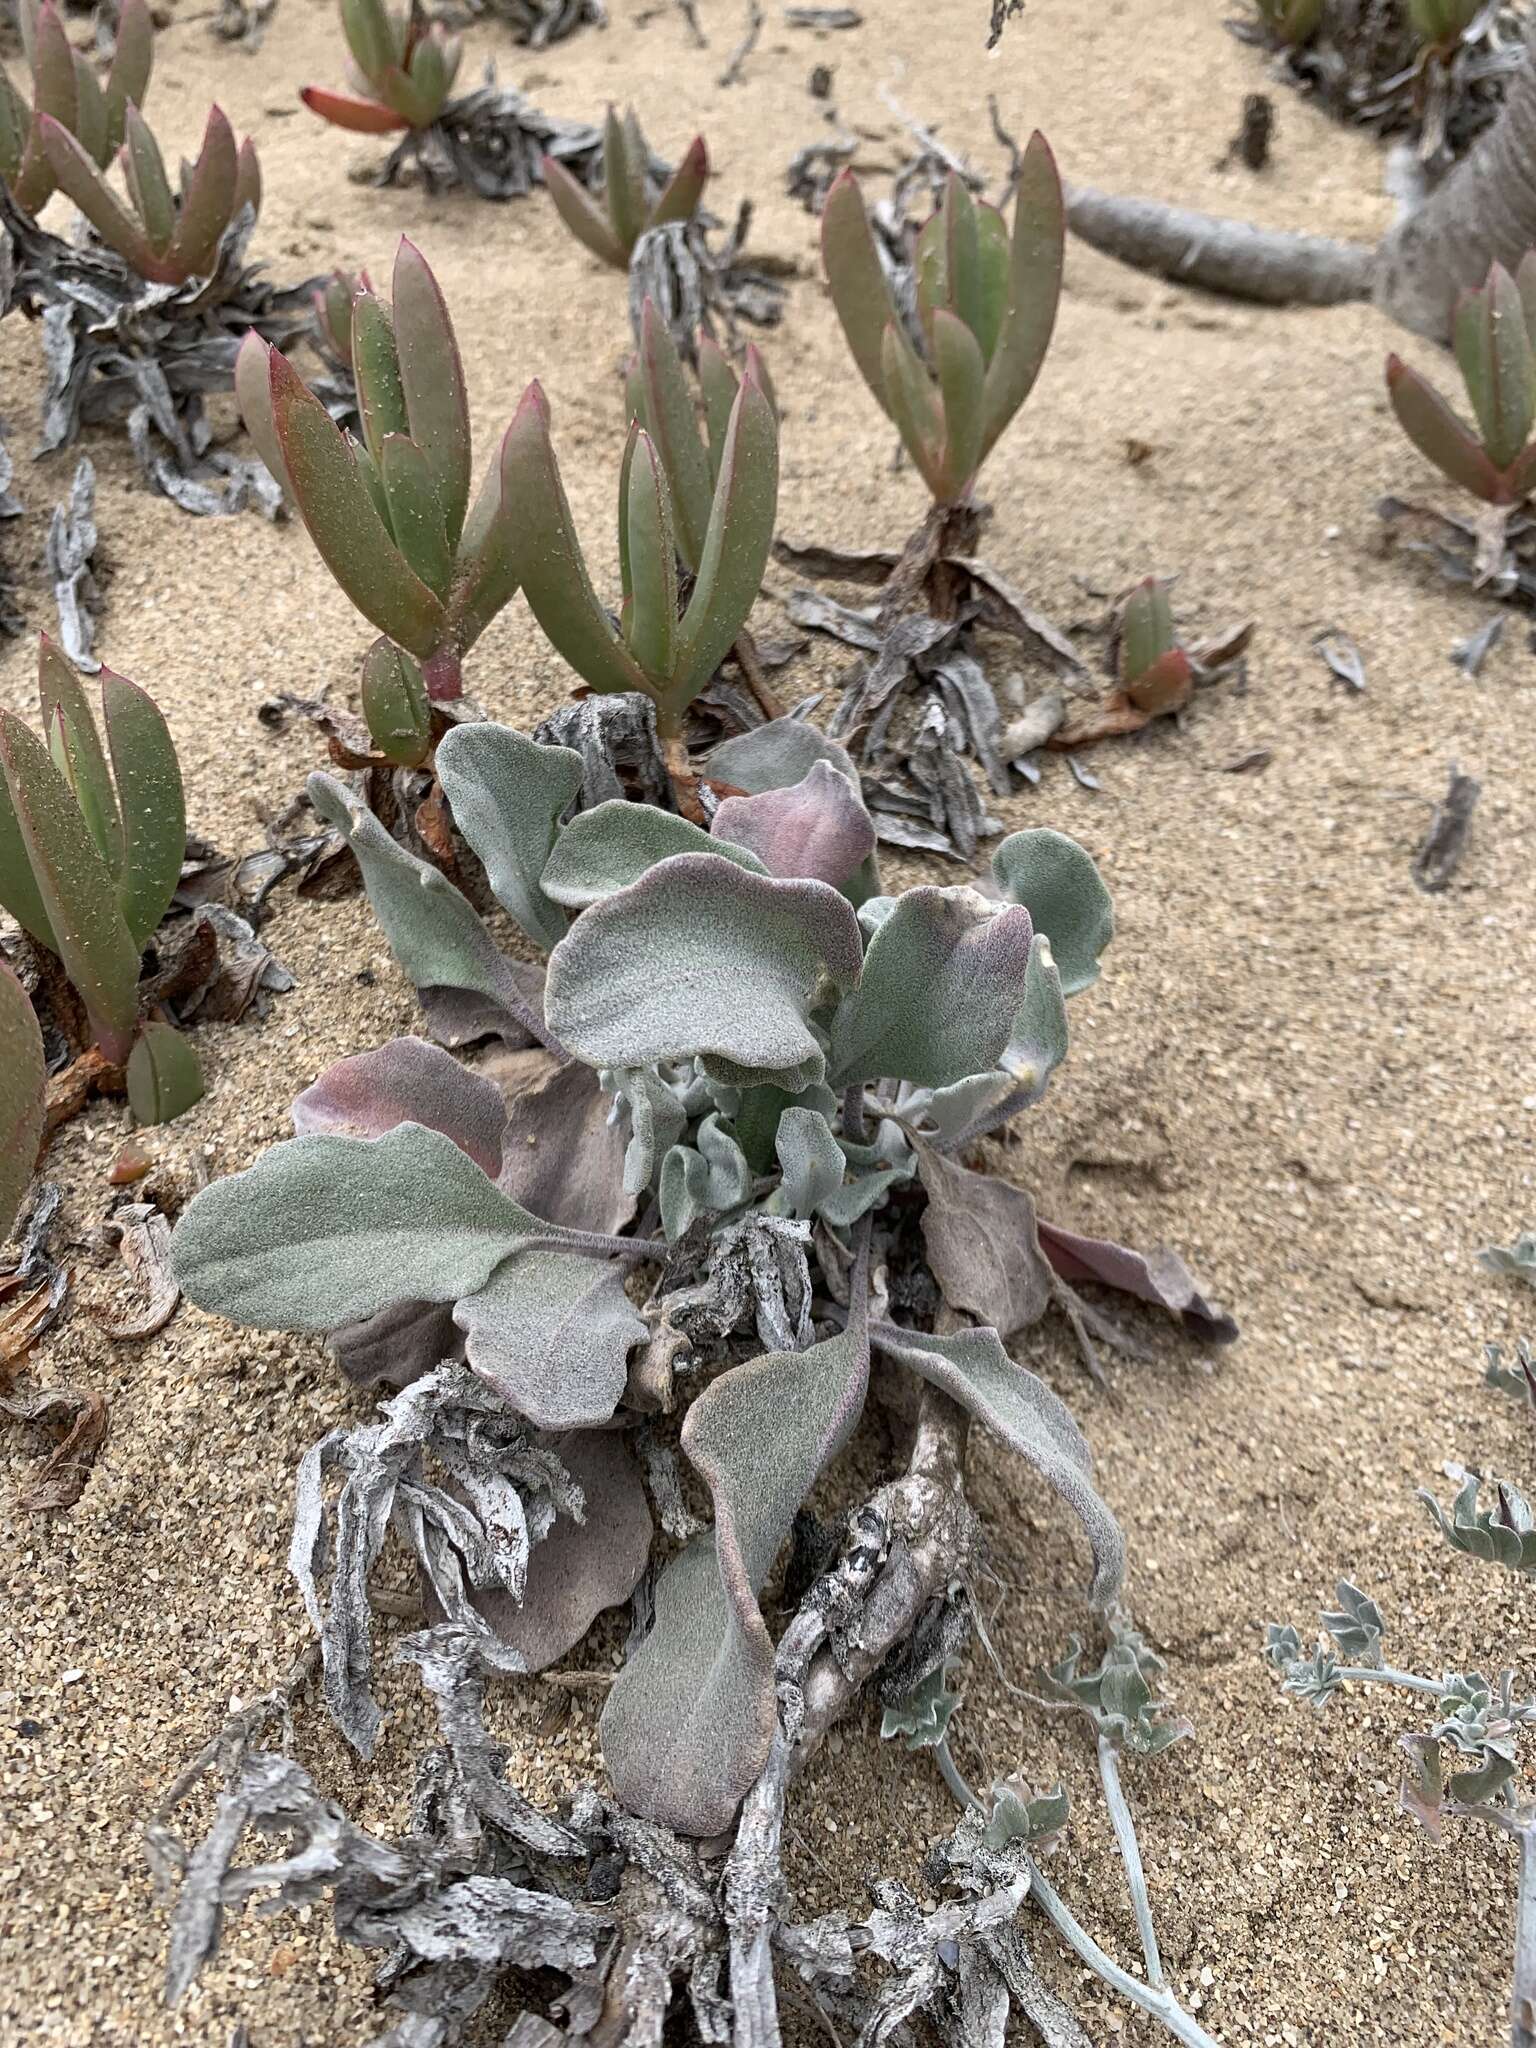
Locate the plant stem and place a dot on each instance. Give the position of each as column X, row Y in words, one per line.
column 1130, row 1856
column 1387, row 1674
column 950, row 1771
column 1159, row 2002
column 1522, row 2001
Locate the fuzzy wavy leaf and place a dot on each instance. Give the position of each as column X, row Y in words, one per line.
column 407, row 1081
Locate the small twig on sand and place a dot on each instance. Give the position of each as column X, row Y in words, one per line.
column 743, row 50
column 1449, row 830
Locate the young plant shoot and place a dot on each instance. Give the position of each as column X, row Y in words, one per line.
column 65, row 91
column 400, row 70
column 1496, row 355
column 633, row 200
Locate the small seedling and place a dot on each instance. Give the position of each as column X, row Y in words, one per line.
column 91, row 845
column 632, row 201
column 1291, row 23
column 1441, row 24
column 400, row 72
column 986, row 306
column 23, row 1093
column 1155, row 671
column 169, row 236
column 391, row 514
column 1492, row 338
column 65, row 91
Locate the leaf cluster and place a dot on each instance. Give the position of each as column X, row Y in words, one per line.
column 400, row 70
column 633, row 199
column 1492, row 336
column 67, row 94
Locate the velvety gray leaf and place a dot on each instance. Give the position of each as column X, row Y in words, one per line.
column 458, row 1017
column 688, row 1724
column 508, row 794
column 979, row 1234
column 818, row 829
column 656, row 1120
column 701, row 959
column 943, row 981
column 1060, row 887
column 1516, row 1261
column 810, row 1160
column 1037, row 1044
column 777, row 756
column 1159, row 1276
column 973, row 1368
column 552, row 1331
column 605, row 849
column 397, row 1345
column 706, row 1178
column 323, row 1231
column 582, row 1567
column 563, row 1153
column 431, row 928
column 406, row 1081
column 946, row 1112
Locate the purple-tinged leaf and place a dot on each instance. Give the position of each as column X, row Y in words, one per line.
column 685, row 188
column 944, row 978
column 551, row 1332
column 745, row 959
column 154, row 816
column 209, row 199
column 612, row 845
column 90, row 112
column 247, row 180
column 253, row 394
column 973, row 1368
column 133, row 59
column 407, row 1081
column 52, row 64
column 398, row 1345
column 75, row 888
column 432, row 378
column 819, row 829
column 150, row 188
column 856, row 280
column 1160, row 1277
column 416, row 512
column 582, row 215
column 163, row 1075
column 79, row 180
column 689, row 1721
column 1493, row 351
column 1436, row 432
column 979, row 1234
column 343, row 520
column 581, row 1568
column 23, row 1089
column 359, row 116
column 563, row 1153
column 1034, row 288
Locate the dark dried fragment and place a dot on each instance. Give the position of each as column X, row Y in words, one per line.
column 61, row 1478
column 69, row 560
column 144, row 1240
column 1445, row 843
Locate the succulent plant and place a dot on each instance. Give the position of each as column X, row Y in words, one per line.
column 91, row 844
column 399, row 74
column 632, row 200
column 1441, row 24
column 333, row 312
column 391, row 514
column 784, row 1074
column 986, row 305
column 1155, row 672
column 721, row 522
column 1492, row 335
column 65, row 90
column 1291, row 22
column 168, row 236
column 23, row 1091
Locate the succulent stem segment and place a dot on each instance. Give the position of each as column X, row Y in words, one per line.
column 391, row 513
column 986, row 307
column 65, row 91
column 1493, row 335
column 718, row 518
column 165, row 236
column 399, row 73
column 630, row 204
column 92, row 839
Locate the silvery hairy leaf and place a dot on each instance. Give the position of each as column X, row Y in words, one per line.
column 323, row 1231
column 1516, row 1261
column 688, row 1724
column 406, row 1081
column 1037, row 1044
column 1017, row 1817
column 810, row 1161
column 706, row 1178
column 1503, row 1534
column 699, row 959
column 657, row 1120
column 979, row 1235
column 508, row 794
column 924, row 1714
column 551, row 1333
column 1356, row 1626
column 779, row 755
column 943, row 980
column 973, row 1368
column 1117, row 1696
column 612, row 845
column 1060, row 887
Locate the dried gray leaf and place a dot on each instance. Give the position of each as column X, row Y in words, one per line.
column 67, row 557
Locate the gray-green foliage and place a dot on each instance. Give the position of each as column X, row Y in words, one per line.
column 778, row 1063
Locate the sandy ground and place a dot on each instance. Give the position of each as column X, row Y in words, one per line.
column 1310, row 1077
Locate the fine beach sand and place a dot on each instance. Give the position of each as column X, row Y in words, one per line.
column 1309, row 1077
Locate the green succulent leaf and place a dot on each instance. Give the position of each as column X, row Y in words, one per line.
column 395, row 704
column 132, row 62
column 857, row 282
column 507, row 794
column 324, row 1230
column 1060, row 887
column 76, row 751
column 432, row 381
column 144, row 168
column 1037, row 253
column 80, row 181
column 737, row 543
column 208, row 199
column 682, row 192
column 376, row 366
column 688, row 1724
column 1493, row 350
column 962, row 373
column 651, row 555
column 416, row 512
column 253, row 394
column 607, row 848
column 75, row 887
column 670, row 420
column 583, row 216
column 1436, row 432
column 154, row 817
column 15, row 128
column 23, row 1092
column 916, row 407
column 163, row 1075
column 745, row 959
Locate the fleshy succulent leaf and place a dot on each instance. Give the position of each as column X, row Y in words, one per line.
column 688, row 1724
column 943, row 981
column 1493, row 351
column 651, row 554
column 672, row 424
column 583, row 216
column 1436, row 432
column 133, row 60
column 856, row 280
column 396, row 705
column 209, row 199
column 407, row 1080
column 80, row 181
column 508, row 794
column 416, row 511
column 253, row 394
column 745, row 958
column 961, row 372
column 682, row 192
column 432, row 380
column 358, row 115
column 607, row 848
column 736, row 545
column 144, row 168
column 153, row 809
column 76, row 750
column 163, row 1077
column 23, row 1089
column 1058, row 884
column 1037, row 253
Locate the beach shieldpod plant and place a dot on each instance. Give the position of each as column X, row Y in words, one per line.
column 400, row 70
column 91, row 844
column 391, row 513
column 985, row 309
column 632, row 201
column 786, row 1077
column 1496, row 355
column 168, row 235
column 65, row 90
